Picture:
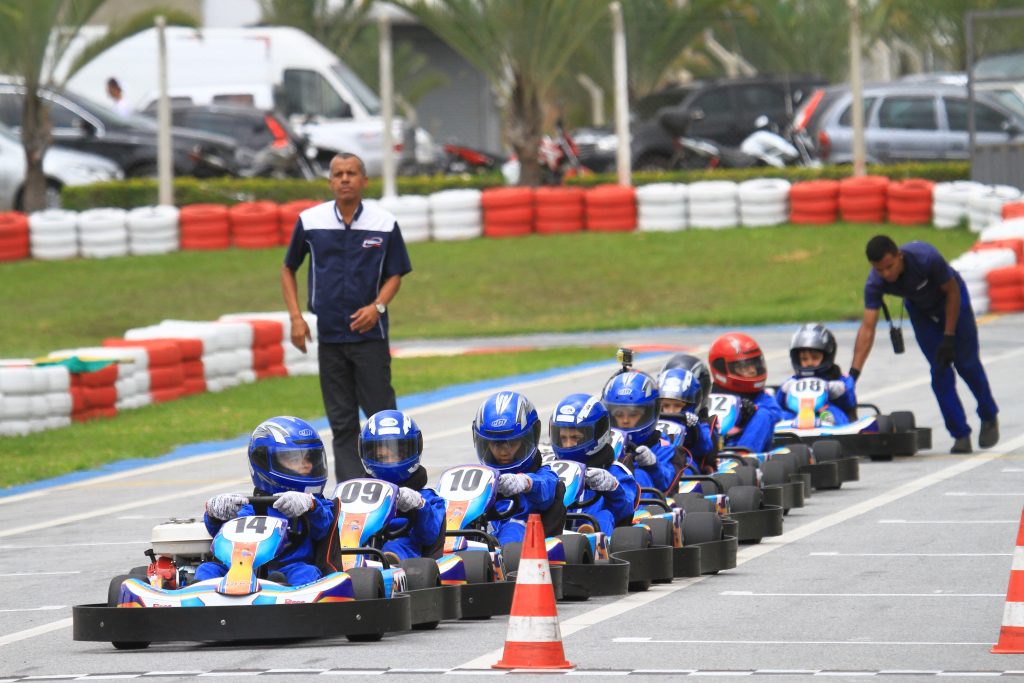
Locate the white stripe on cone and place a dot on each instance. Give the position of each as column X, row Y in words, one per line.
column 533, row 571
column 1018, row 559
column 1013, row 615
column 533, row 630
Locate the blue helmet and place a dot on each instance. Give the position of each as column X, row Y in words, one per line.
column 681, row 385
column 506, row 431
column 632, row 402
column 390, row 446
column 579, row 428
column 286, row 454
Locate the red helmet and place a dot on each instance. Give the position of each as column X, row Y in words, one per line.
column 737, row 364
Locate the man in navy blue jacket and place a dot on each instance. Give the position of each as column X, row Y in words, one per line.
column 940, row 312
column 357, row 260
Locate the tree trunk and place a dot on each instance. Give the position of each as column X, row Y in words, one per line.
column 523, row 131
column 35, row 136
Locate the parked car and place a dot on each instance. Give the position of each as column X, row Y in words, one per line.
column 60, row 166
column 266, row 145
column 904, row 122
column 1010, row 93
column 129, row 141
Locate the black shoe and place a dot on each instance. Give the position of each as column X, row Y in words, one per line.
column 278, row 577
column 962, row 445
column 989, row 434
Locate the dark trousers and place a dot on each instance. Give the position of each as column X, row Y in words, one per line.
column 353, row 376
column 967, row 362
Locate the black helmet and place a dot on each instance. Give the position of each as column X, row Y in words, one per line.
column 699, row 369
column 813, row 336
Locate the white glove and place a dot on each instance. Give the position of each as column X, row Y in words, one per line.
column 225, row 505
column 294, row 504
column 645, row 457
column 691, row 419
column 409, row 499
column 513, row 484
column 601, row 480
column 787, row 386
column 836, row 388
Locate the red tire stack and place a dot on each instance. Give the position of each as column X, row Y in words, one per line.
column 93, row 394
column 910, row 202
column 255, row 225
column 507, row 211
column 611, row 208
column 862, row 199
column 267, row 348
column 289, row 214
column 1006, row 289
column 166, row 373
column 814, row 202
column 1016, row 244
column 559, row 209
column 1013, row 210
column 204, row 227
column 13, row 236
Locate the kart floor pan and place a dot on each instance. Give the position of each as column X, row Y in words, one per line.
column 716, row 556
column 753, row 525
column 648, row 564
column 686, row 562
column 786, row 496
column 483, row 600
column 427, row 605
column 582, row 581
column 240, row 622
column 824, row 475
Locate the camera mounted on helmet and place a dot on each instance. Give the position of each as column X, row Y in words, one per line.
column 632, row 402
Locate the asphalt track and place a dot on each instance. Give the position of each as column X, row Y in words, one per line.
column 902, row 574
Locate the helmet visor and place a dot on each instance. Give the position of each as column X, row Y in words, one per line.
column 564, row 437
column 301, row 462
column 389, row 451
column 504, row 452
column 630, row 415
column 749, row 367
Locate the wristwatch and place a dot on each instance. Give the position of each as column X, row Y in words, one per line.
column 380, row 307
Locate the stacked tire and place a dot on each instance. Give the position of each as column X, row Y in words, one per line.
column 103, row 233
column 985, row 205
column 204, row 227
column 862, row 199
column 163, row 365
column 950, row 202
column 295, row 362
column 764, row 202
column 413, row 215
column 455, row 215
column 53, row 234
column 94, row 394
column 507, row 211
column 814, row 202
column 33, row 398
column 610, row 208
column 152, row 230
column 974, row 267
column 132, row 363
column 714, row 204
column 255, row 225
column 661, row 207
column 558, row 209
column 910, row 202
column 13, row 236
column 1006, row 289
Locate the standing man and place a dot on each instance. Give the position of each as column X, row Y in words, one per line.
column 120, row 104
column 357, row 260
column 940, row 311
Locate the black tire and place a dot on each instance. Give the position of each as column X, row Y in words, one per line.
column 510, row 554
column 727, row 480
column 693, row 502
column 421, row 572
column 631, row 538
column 827, row 450
column 773, row 473
column 744, row 498
column 903, row 421
column 701, row 527
column 800, row 453
column 661, row 530
column 140, row 573
column 885, row 425
column 367, row 584
column 747, row 475
column 113, row 596
column 479, row 568
column 577, row 549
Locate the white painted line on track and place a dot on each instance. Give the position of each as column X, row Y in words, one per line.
column 973, row 494
column 353, row 672
column 949, row 521
column 43, row 608
column 753, row 594
column 838, row 554
column 4, row 576
column 641, row 640
column 629, row 602
column 69, row 545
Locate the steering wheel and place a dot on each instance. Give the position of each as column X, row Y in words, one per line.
column 502, row 511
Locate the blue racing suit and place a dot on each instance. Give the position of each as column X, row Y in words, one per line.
column 841, row 407
column 294, row 561
column 614, row 508
column 757, row 432
column 425, row 525
column 661, row 474
column 541, row 496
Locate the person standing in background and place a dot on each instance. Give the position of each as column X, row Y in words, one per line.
column 120, row 104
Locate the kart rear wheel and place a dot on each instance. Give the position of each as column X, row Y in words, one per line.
column 903, row 421
column 140, row 573
column 510, row 553
column 631, row 538
column 661, row 530
column 113, row 597
column 727, row 480
column 701, row 527
column 744, row 498
column 800, row 453
column 367, row 584
column 577, row 549
column 884, row 424
column 421, row 572
column 693, row 502
column 827, row 450
column 747, row 475
column 773, row 473
column 479, row 568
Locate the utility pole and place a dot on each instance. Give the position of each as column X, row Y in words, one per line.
column 857, row 87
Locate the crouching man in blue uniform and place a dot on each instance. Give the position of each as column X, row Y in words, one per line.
column 286, row 458
column 506, row 431
column 390, row 446
column 631, row 398
column 940, row 311
column 812, row 352
column 580, row 431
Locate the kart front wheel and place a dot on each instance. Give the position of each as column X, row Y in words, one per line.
column 701, row 527
column 745, row 498
column 693, row 502
column 421, row 572
column 510, row 554
column 631, row 538
column 367, row 584
column 114, row 597
column 827, row 450
column 577, row 549
column 478, row 564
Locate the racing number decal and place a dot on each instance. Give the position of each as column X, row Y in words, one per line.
column 466, row 480
column 257, row 524
column 369, row 492
column 719, row 404
column 811, row 385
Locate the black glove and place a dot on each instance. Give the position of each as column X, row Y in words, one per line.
column 747, row 409
column 855, row 374
column 945, row 352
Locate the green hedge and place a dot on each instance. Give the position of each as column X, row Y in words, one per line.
column 142, row 192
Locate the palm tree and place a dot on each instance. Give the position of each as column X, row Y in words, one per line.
column 26, row 27
column 522, row 47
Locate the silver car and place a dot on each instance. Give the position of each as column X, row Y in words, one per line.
column 904, row 122
column 60, row 166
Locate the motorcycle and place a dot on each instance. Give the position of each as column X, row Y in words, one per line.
column 763, row 147
column 558, row 157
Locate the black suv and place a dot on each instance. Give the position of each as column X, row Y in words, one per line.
column 129, row 141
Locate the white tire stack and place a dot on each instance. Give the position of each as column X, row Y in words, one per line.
column 53, row 234
column 714, row 204
column 974, row 266
column 152, row 230
column 132, row 382
column 764, row 202
column 413, row 215
column 1011, row 228
column 227, row 348
column 33, row 398
column 103, row 233
column 661, row 207
column 455, row 215
column 950, row 202
column 985, row 205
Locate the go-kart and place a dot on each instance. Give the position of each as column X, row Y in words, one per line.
column 243, row 604
column 878, row 436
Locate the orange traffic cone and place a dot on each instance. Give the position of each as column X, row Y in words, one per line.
column 1011, row 635
column 534, row 640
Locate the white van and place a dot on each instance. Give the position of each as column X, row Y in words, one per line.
column 273, row 67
